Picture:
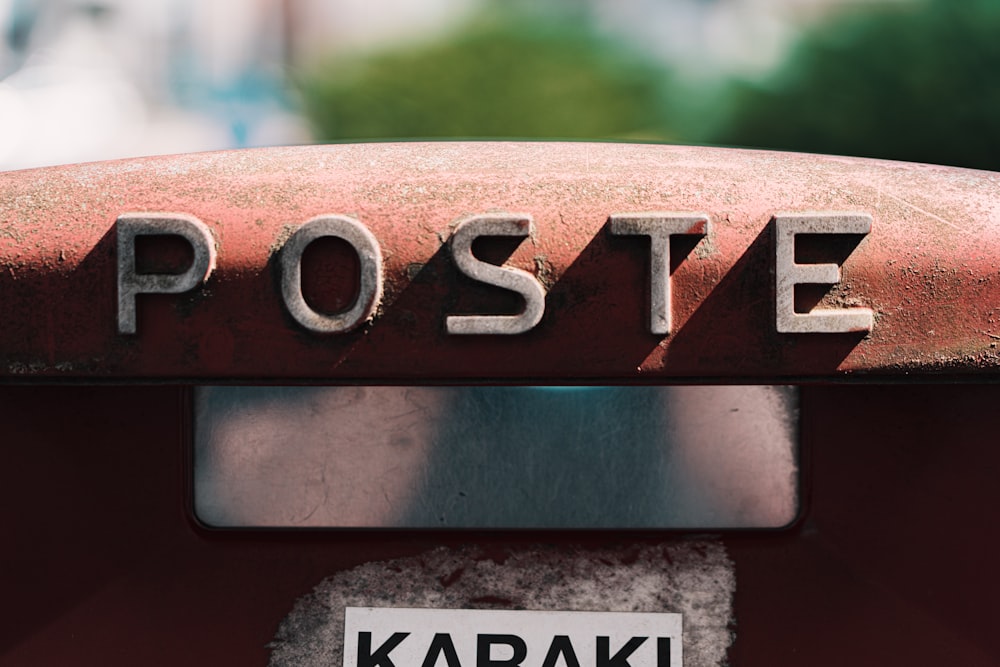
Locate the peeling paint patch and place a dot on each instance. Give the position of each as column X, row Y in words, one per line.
column 695, row 579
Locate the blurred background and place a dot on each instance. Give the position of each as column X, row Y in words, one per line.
column 100, row 79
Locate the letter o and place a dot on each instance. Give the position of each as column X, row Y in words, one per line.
column 370, row 258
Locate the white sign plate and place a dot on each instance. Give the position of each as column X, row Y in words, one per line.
column 392, row 637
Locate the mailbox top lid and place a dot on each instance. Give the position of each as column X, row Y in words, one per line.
column 926, row 270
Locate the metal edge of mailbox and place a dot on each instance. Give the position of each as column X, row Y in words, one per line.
column 928, row 269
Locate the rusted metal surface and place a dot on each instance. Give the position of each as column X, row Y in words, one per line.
column 928, row 269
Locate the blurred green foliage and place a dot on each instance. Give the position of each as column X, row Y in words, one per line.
column 531, row 76
column 909, row 80
column 913, row 81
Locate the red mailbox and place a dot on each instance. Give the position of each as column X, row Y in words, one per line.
column 750, row 392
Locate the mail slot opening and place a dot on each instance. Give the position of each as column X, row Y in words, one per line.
column 694, row 457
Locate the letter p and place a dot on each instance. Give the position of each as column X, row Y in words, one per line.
column 132, row 283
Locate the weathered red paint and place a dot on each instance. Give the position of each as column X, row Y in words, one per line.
column 893, row 560
column 929, row 269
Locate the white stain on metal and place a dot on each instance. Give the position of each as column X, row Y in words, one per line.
column 789, row 273
column 919, row 210
column 132, row 283
column 515, row 280
column 369, row 258
column 659, row 227
column 695, row 579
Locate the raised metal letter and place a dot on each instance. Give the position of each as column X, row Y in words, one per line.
column 131, row 283
column 788, row 273
column 369, row 256
column 509, row 278
column 659, row 227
